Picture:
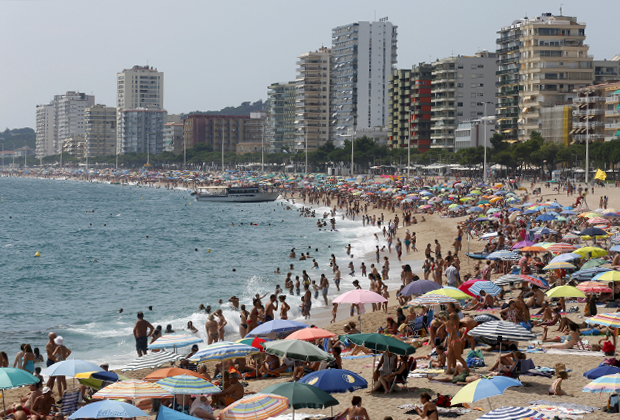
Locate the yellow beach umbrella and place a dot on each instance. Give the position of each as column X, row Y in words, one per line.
column 565, row 291
column 608, row 276
column 450, row 292
column 590, row 251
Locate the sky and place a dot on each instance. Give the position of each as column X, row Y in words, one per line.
column 217, row 54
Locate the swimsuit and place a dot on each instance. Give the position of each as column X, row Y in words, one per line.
column 141, row 344
column 29, row 366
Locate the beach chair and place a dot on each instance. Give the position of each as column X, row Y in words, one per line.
column 416, row 326
column 70, row 400
column 514, row 373
column 403, row 382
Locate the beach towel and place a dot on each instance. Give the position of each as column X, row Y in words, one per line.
column 576, row 352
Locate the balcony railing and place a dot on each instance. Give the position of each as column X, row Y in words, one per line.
column 588, row 99
column 584, row 137
column 589, row 124
column 613, row 113
column 584, row 112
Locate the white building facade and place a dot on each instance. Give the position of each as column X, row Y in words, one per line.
column 46, row 130
column 141, row 131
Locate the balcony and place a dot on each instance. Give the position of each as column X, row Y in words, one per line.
column 584, row 112
column 589, row 124
column 588, row 99
column 612, row 126
column 612, row 99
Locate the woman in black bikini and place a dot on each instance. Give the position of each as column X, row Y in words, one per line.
column 428, row 410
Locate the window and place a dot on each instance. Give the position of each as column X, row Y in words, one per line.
column 459, row 114
column 480, row 75
column 481, row 85
column 473, row 75
column 474, row 85
column 459, row 104
column 481, row 94
column 480, row 66
column 473, row 104
column 474, row 67
column 460, row 66
column 473, row 94
column 459, row 85
column 460, row 75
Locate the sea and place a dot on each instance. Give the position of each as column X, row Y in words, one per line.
column 107, row 247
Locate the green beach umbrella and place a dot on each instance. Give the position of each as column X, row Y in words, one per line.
column 13, row 377
column 380, row 342
column 297, row 350
column 302, row 395
column 596, row 262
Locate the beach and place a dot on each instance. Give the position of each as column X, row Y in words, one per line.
column 444, row 229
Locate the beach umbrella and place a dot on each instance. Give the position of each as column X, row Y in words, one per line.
column 565, row 257
column 593, row 287
column 565, row 291
column 187, row 385
column 503, row 255
column 608, row 384
column 448, row 291
column 607, row 276
column 592, row 231
column 508, row 279
column 545, row 218
column 380, row 343
column 595, row 262
column 559, row 265
column 588, row 273
column 255, row 407
column 132, row 390
column 432, row 299
column 502, row 331
column 297, row 350
column 534, row 248
column 561, row 247
column 489, row 236
column 166, row 413
column 484, row 388
column 174, row 341
column 536, row 281
column 108, row 409
column 615, row 248
column 169, row 372
column 599, row 371
column 275, row 327
column 482, row 318
column 335, row 380
column 359, row 297
column 569, row 237
column 255, row 342
column 153, row 360
column 466, row 285
column 419, row 287
column 13, row 377
column 310, row 334
column 511, row 413
column 607, row 319
column 71, row 368
column 522, row 244
column 488, row 287
column 224, row 350
column 98, row 380
column 301, row 395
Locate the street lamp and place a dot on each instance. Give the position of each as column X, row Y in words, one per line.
column 484, row 167
column 409, row 145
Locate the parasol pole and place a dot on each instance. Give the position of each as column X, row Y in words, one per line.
column 489, row 401
column 3, row 404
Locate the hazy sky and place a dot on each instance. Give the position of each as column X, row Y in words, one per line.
column 215, row 54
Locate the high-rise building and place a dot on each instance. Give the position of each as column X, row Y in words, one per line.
column 554, row 62
column 312, row 99
column 410, row 108
column 508, row 78
column 140, row 87
column 100, row 131
column 463, row 88
column 280, row 128
column 363, row 58
column 219, row 131
column 173, row 137
column 46, row 130
column 612, row 111
column 64, row 117
column 140, row 131
column 606, row 71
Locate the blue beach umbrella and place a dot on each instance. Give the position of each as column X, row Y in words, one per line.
column 174, row 340
column 488, row 287
column 599, row 371
column 335, row 380
column 484, row 388
column 108, row 409
column 545, row 218
column 419, row 287
column 565, row 257
column 224, row 350
column 187, row 385
column 71, row 368
column 275, row 327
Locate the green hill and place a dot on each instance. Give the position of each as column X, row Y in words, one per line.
column 17, row 138
column 244, row 109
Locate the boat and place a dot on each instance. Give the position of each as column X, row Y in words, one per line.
column 235, row 194
column 477, row 255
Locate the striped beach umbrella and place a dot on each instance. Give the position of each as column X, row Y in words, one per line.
column 169, row 372
column 506, row 330
column 432, row 299
column 224, row 350
column 588, row 273
column 511, row 413
column 484, row 388
column 187, row 385
column 607, row 319
column 593, row 287
column 504, row 256
column 255, row 407
column 608, row 384
column 152, row 360
column 174, row 341
column 488, row 287
column 508, row 279
column 132, row 390
column 536, row 281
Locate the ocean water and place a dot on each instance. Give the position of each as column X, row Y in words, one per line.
column 105, row 247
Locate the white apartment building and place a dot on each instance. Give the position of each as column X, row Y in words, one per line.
column 100, row 131
column 140, row 87
column 46, row 130
column 363, row 58
column 173, row 137
column 312, row 87
column 141, row 131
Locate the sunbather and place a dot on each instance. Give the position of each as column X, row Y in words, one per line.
column 460, row 376
column 565, row 341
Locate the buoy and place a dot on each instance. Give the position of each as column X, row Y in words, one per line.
column 38, row 254
column 208, row 251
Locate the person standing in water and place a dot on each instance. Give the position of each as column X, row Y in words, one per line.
column 141, row 331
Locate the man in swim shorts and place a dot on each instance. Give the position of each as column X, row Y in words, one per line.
column 141, row 332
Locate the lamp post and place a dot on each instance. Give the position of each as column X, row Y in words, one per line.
column 306, row 142
column 352, row 138
column 587, row 144
column 409, row 145
column 484, row 166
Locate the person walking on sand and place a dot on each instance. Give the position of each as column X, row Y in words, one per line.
column 61, row 353
column 141, row 331
column 211, row 327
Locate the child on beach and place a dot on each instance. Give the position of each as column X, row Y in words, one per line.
column 352, row 268
column 386, row 295
column 363, row 267
column 316, row 289
column 334, row 312
column 556, row 386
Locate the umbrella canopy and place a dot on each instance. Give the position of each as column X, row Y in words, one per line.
column 452, row 292
column 174, row 341
column 255, row 342
column 571, row 256
column 591, row 251
column 108, row 409
column 301, row 395
column 565, row 291
column 153, row 360
column 609, row 384
column 503, row 255
column 419, row 287
column 599, row 371
column 71, row 368
column 224, row 350
column 511, row 413
column 608, row 319
column 466, row 285
column 561, row 247
column 360, row 296
column 611, row 275
column 255, row 407
column 482, row 318
column 13, row 377
column 559, row 266
column 335, row 380
column 169, row 372
column 592, row 231
column 132, row 390
column 187, row 385
column 310, row 334
column 593, row 287
column 380, row 342
column 595, row 262
column 505, row 330
column 432, row 299
column 588, row 273
column 508, row 279
column 166, row 413
column 536, row 281
column 522, row 244
column 275, row 327
column 484, row 388
column 297, row 350
column 486, row 286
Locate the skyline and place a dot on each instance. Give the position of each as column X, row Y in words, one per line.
column 220, row 54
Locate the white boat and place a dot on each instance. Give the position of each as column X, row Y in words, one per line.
column 235, row 194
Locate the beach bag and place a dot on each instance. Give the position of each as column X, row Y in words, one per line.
column 608, row 348
column 612, row 403
column 475, row 353
column 443, row 400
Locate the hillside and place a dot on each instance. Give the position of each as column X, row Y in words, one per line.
column 244, row 109
column 17, row 138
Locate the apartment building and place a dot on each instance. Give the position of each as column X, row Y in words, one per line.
column 140, row 87
column 173, row 137
column 312, row 99
column 409, row 120
column 508, row 78
column 100, row 139
column 606, row 71
column 363, row 58
column 463, row 88
column 140, row 131
column 612, row 111
column 220, row 131
column 46, row 130
column 280, row 124
column 554, row 61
